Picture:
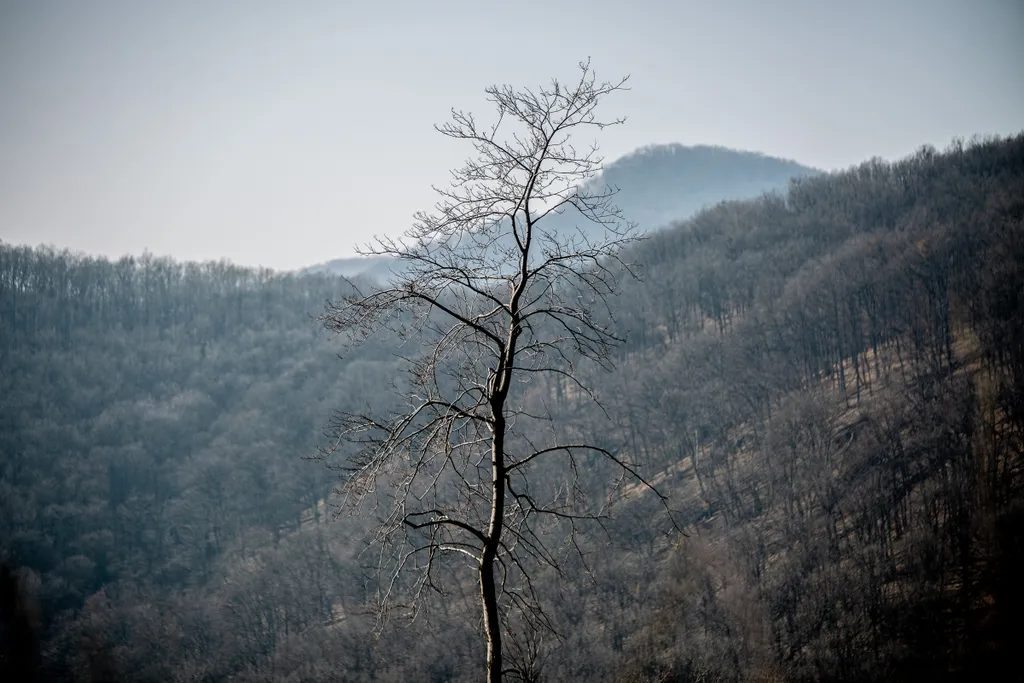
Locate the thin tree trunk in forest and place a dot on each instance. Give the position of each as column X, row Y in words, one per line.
column 492, row 625
column 488, row 594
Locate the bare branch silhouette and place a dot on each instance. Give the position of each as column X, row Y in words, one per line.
column 490, row 297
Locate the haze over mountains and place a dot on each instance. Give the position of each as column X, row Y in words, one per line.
column 657, row 185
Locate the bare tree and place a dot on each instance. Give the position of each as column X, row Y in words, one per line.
column 490, row 297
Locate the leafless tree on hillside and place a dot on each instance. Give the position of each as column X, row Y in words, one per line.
column 489, row 298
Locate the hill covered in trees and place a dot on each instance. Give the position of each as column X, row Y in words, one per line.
column 827, row 382
column 656, row 185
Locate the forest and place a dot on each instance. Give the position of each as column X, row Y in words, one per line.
column 826, row 382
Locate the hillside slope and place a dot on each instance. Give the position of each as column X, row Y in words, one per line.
column 831, row 384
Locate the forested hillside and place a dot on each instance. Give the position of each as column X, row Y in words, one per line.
column 828, row 383
column 836, row 379
column 154, row 418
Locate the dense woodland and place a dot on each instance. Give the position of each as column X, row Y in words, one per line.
column 827, row 382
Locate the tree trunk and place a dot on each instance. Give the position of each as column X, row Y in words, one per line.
column 492, row 627
column 488, row 594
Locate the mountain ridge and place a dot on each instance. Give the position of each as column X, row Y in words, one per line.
column 658, row 185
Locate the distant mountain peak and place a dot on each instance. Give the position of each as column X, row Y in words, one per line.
column 658, row 184
column 661, row 184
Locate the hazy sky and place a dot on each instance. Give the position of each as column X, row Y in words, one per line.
column 281, row 133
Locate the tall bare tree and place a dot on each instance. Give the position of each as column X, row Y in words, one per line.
column 490, row 296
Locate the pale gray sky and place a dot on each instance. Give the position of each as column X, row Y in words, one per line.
column 281, row 133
